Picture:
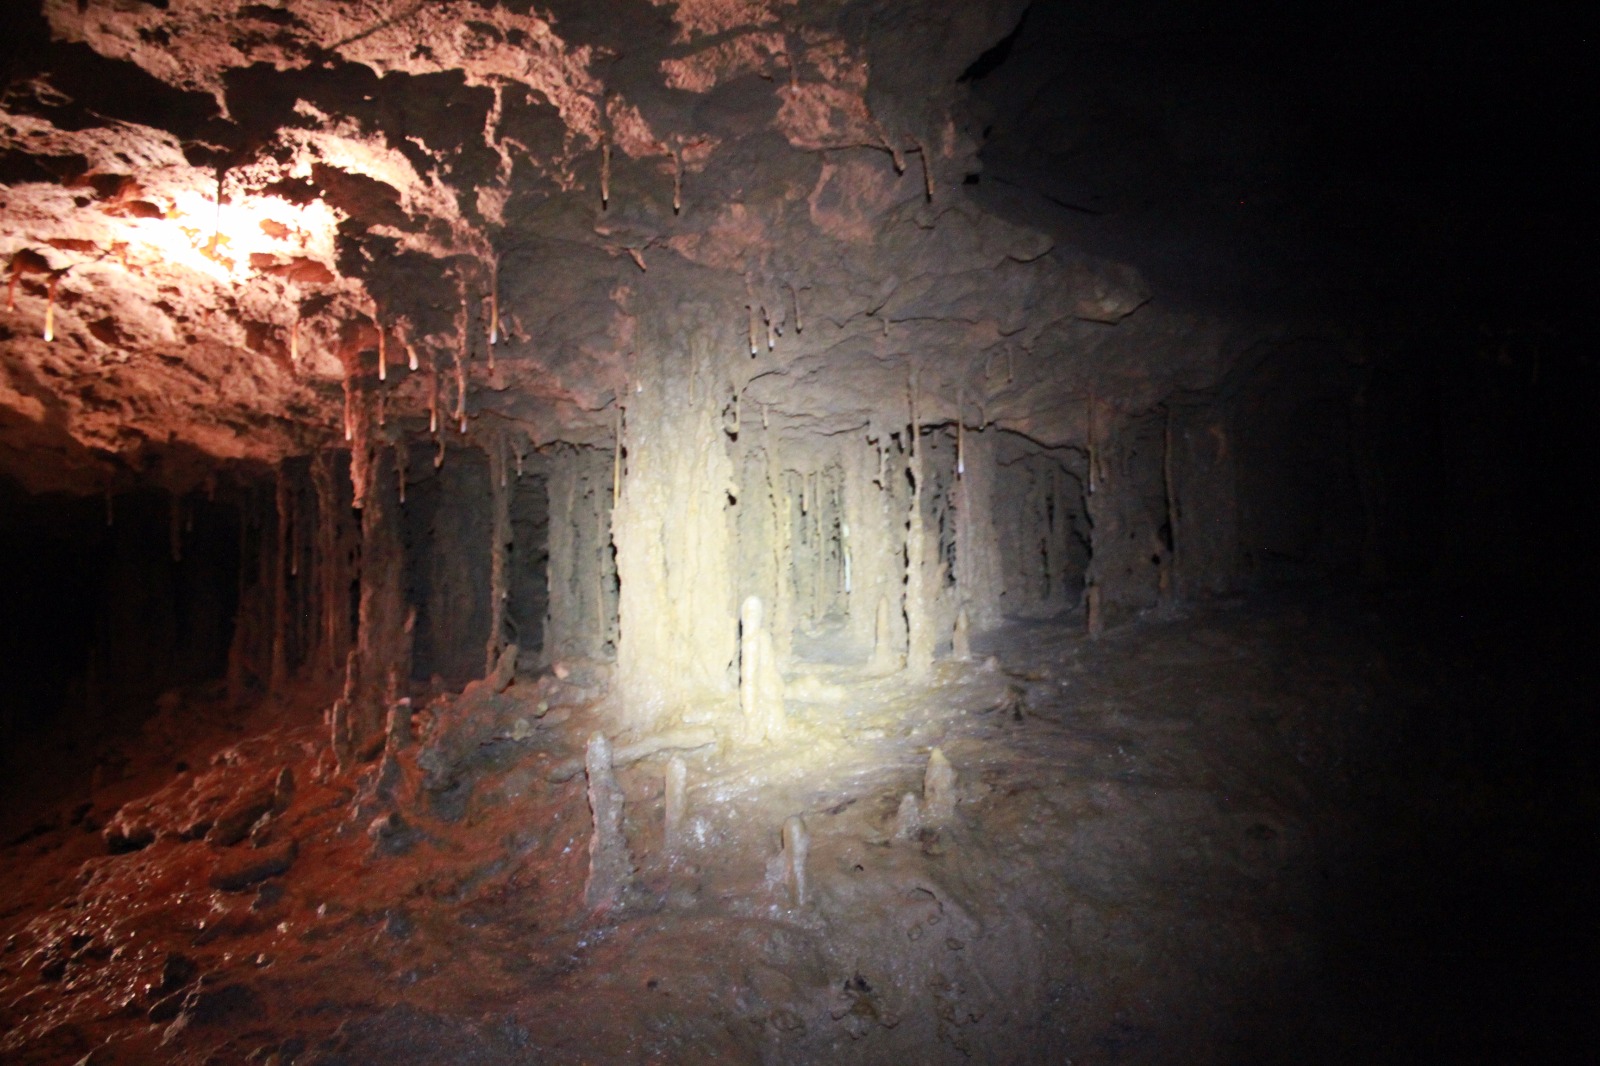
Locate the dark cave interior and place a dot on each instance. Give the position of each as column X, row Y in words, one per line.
column 813, row 531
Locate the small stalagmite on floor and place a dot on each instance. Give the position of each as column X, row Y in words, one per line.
column 796, row 845
column 677, row 805
column 609, row 863
column 938, row 790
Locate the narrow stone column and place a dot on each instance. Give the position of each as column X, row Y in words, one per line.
column 610, row 866
column 760, row 685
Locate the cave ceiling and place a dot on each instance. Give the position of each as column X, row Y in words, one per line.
column 229, row 224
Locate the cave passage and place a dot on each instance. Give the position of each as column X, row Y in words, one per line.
column 1006, row 532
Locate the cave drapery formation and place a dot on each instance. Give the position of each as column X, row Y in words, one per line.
column 364, row 351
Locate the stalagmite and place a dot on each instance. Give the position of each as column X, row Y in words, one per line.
column 760, row 684
column 908, row 818
column 609, row 863
column 961, row 637
column 397, row 728
column 605, row 174
column 1095, row 623
column 342, row 733
column 938, row 790
column 677, row 805
column 796, row 846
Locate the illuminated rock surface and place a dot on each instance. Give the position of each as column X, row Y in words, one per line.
column 740, row 531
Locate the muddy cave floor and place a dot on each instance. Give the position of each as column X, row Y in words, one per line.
column 1254, row 831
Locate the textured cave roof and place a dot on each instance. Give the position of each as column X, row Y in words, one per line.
column 432, row 167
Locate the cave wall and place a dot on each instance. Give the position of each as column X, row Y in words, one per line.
column 108, row 602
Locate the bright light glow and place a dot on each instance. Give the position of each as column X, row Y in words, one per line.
column 219, row 243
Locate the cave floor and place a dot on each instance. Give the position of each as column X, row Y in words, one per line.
column 1149, row 861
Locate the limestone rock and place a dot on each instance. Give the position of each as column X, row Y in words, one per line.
column 236, row 871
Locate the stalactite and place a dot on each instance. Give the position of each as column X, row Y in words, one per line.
column 927, row 170
column 979, row 573
column 402, row 463
column 294, row 340
column 463, row 353
column 433, row 392
column 383, row 352
column 920, row 635
column 616, row 456
column 499, row 542
column 323, row 560
column 360, row 437
column 677, row 181
column 750, row 309
column 782, row 556
column 772, row 334
column 50, row 307
column 795, row 293
column 494, row 306
column 605, row 173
